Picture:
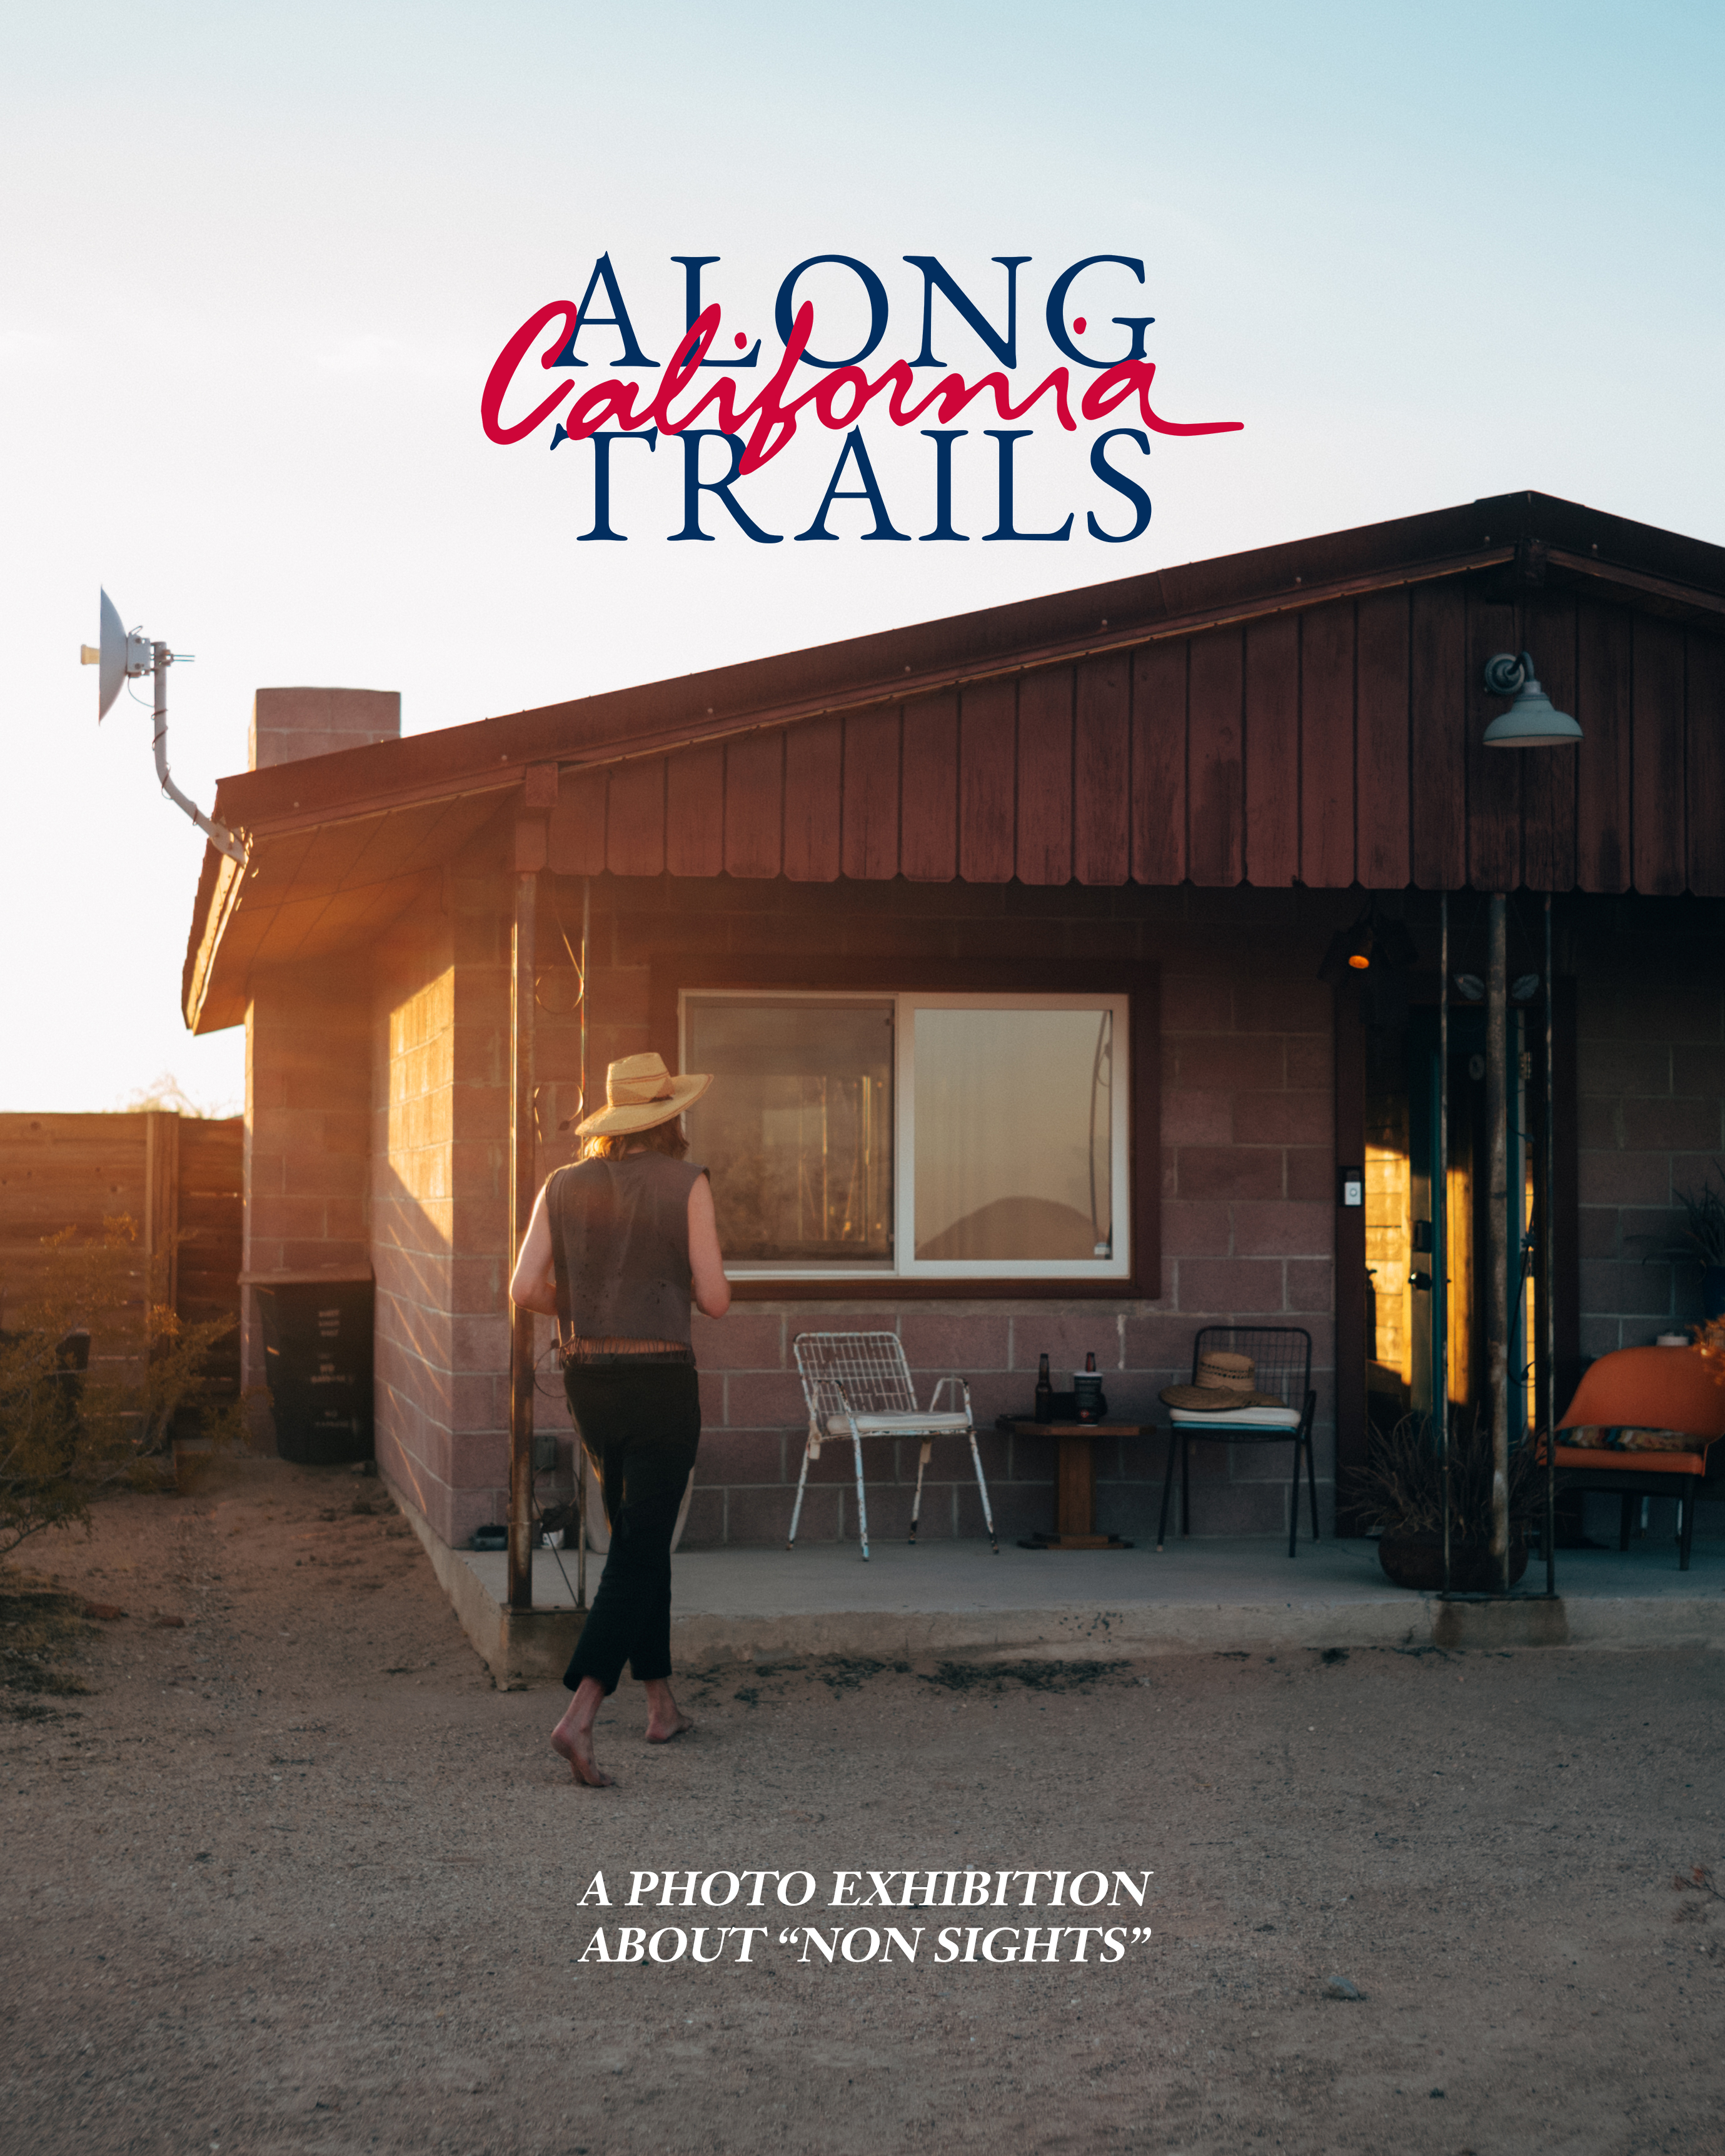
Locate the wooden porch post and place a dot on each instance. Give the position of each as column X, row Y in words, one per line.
column 521, row 1171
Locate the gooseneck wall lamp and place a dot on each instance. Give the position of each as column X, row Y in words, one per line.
column 1532, row 721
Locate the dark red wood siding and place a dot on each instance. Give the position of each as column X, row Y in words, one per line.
column 1215, row 788
column 1327, row 748
column 1382, row 837
column 928, row 832
column 1101, row 772
column 1338, row 744
column 1549, row 782
column 1272, row 750
column 1158, row 773
column 1044, row 789
column 813, row 789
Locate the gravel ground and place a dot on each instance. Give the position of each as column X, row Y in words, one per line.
column 291, row 1874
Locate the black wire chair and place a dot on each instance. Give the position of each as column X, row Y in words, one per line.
column 1282, row 1355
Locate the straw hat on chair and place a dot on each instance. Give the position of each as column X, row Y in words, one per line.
column 1225, row 1384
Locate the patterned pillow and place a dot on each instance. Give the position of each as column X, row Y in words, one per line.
column 1655, row 1440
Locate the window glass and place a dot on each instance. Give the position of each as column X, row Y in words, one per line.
column 919, row 1135
column 1012, row 1124
column 797, row 1128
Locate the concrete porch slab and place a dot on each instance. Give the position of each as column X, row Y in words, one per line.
column 959, row 1599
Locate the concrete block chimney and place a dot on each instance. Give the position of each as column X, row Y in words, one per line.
column 290, row 723
column 308, row 1049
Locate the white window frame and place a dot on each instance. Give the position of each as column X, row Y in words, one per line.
column 1118, row 1267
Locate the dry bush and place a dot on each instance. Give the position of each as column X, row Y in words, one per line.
column 66, row 1438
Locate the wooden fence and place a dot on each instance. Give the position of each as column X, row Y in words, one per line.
column 179, row 1178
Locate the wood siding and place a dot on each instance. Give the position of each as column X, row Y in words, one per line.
column 1338, row 746
column 177, row 1179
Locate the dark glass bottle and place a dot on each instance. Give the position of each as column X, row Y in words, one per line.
column 1045, row 1392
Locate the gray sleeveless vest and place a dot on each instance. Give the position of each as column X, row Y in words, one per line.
column 622, row 1229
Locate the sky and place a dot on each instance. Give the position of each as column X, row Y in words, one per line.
column 255, row 264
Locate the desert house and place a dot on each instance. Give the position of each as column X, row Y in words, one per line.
column 1006, row 933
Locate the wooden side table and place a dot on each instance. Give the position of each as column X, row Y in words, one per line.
column 1074, row 1479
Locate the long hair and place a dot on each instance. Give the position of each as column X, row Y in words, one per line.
column 666, row 1137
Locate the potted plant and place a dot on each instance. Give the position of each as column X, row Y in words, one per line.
column 1701, row 1240
column 1400, row 1491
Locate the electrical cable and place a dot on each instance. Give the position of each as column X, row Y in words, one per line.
column 533, row 1500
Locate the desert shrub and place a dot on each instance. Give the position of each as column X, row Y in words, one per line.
column 66, row 1436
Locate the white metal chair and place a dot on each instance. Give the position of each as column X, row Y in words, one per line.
column 859, row 1384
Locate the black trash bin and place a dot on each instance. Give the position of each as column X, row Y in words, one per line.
column 317, row 1360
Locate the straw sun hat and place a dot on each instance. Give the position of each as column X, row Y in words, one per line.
column 639, row 1094
column 1224, row 1384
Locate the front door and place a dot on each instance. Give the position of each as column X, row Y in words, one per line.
column 1422, row 1340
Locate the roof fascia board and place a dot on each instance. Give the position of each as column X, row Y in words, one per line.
column 223, row 897
column 357, row 807
column 1710, row 606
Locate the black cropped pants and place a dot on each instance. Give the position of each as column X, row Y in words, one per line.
column 641, row 1429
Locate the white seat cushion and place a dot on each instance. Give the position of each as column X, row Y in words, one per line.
column 896, row 1426
column 1236, row 1418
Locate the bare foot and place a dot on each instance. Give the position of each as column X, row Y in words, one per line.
column 665, row 1719
column 576, row 1747
column 574, row 1736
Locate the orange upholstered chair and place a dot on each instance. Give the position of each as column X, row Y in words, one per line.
column 1666, row 1391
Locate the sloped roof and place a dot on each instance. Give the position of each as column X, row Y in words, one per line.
column 1261, row 717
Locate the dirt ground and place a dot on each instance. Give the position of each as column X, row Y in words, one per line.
column 292, row 1875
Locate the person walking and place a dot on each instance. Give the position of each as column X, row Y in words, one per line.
column 618, row 1247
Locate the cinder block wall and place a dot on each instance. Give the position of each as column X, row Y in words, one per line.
column 412, row 1206
column 307, row 1047
column 1650, row 1081
column 1248, row 1182
column 307, row 1125
column 439, row 1205
column 403, row 1053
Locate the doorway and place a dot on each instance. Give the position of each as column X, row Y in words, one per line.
column 1427, row 1298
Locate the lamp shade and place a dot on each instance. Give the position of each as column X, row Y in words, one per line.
column 1533, row 720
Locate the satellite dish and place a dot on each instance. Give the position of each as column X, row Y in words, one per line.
column 113, row 658
column 117, row 655
column 122, row 654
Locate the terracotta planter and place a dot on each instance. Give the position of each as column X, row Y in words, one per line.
column 1417, row 1561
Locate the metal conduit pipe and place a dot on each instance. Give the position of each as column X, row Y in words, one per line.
column 1441, row 1231
column 1547, row 1275
column 219, row 834
column 1498, row 1309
